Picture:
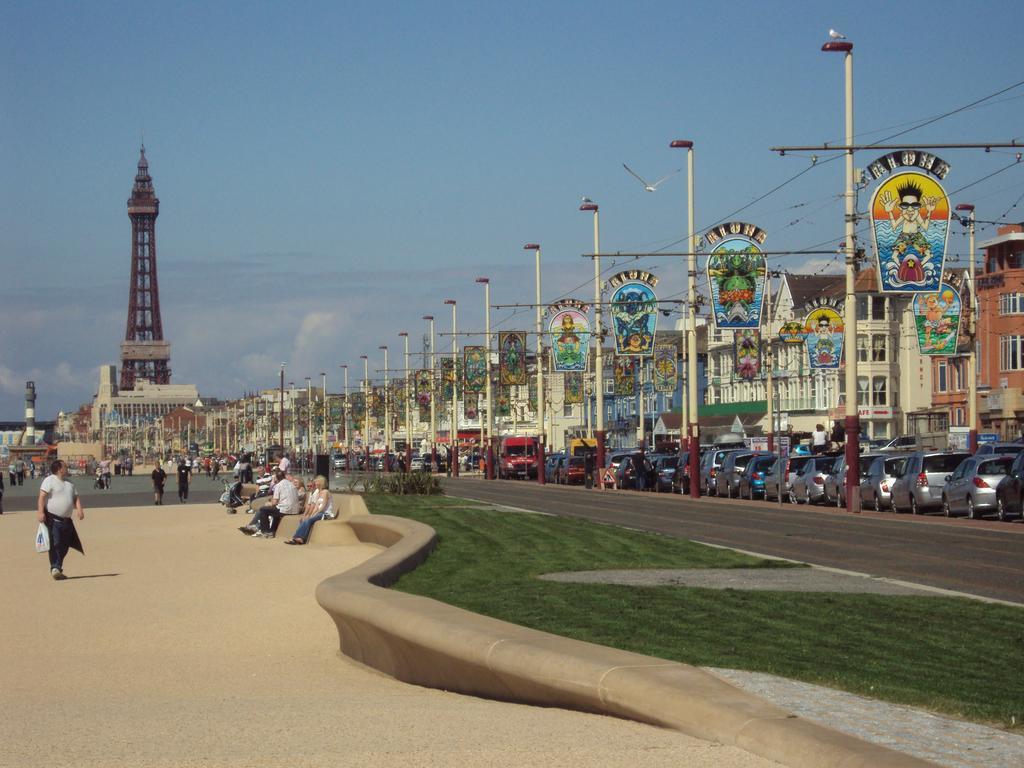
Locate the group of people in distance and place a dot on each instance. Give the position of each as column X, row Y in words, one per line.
column 289, row 497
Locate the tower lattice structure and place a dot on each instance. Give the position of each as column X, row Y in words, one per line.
column 144, row 353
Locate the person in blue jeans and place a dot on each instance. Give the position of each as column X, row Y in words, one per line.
column 58, row 499
column 320, row 506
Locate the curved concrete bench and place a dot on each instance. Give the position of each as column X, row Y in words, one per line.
column 425, row 642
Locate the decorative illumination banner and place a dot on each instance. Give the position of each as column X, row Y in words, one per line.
column 532, row 394
column 625, row 376
column 570, row 335
column 792, row 332
column 447, row 378
column 823, row 329
column 573, row 388
column 512, row 358
column 634, row 309
column 471, row 407
column 937, row 317
column 475, row 368
column 737, row 274
column 423, row 391
column 909, row 222
column 503, row 408
column 666, row 372
column 747, row 342
column 358, row 407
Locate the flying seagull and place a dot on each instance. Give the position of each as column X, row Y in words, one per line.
column 836, row 35
column 649, row 187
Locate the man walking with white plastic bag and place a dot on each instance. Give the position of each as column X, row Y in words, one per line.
column 57, row 500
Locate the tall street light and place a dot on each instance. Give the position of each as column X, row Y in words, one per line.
column 693, row 425
column 408, row 395
column 972, row 359
column 453, row 432
column 387, row 412
column 345, row 415
column 489, row 439
column 366, row 408
column 590, row 205
column 433, row 399
column 323, row 376
column 309, row 414
column 280, row 422
column 845, row 47
column 540, row 369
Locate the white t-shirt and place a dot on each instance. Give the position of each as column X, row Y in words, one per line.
column 819, row 438
column 328, row 510
column 60, row 496
column 286, row 498
column 284, row 464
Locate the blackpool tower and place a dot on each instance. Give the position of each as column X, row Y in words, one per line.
column 144, row 353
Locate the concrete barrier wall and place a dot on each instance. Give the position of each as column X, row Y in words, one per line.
column 426, row 642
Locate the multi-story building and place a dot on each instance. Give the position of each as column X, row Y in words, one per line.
column 1000, row 335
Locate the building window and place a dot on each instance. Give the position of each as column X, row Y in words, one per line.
column 1011, row 304
column 879, row 390
column 1011, row 353
column 863, row 391
column 941, row 382
column 878, row 348
column 862, row 348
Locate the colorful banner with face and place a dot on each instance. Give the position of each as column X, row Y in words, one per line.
column 573, row 388
column 747, row 344
column 447, row 378
column 823, row 330
column 937, row 316
column 666, row 371
column 625, row 376
column 503, row 406
column 512, row 358
column 570, row 338
column 475, row 367
column 737, row 274
column 910, row 225
column 471, row 406
column 634, row 310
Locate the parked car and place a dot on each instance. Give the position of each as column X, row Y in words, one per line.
column 339, row 461
column 924, row 476
column 625, row 474
column 835, row 483
column 999, row 449
column 1010, row 491
column 729, row 475
column 681, row 477
column 783, row 474
column 710, row 466
column 902, row 443
column 876, row 483
column 665, row 468
column 972, row 487
column 752, row 479
column 572, row 471
column 416, row 463
column 809, row 485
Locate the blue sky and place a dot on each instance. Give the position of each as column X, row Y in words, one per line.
column 329, row 173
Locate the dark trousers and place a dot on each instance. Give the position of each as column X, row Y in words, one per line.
column 268, row 519
column 60, row 539
column 182, row 491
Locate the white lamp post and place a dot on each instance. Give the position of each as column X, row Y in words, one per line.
column 540, row 368
column 599, row 432
column 488, row 446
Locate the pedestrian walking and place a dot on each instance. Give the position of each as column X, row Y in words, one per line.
column 21, row 471
column 159, row 478
column 184, row 473
column 58, row 499
column 12, row 473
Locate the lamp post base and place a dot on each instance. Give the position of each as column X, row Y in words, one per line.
column 694, row 460
column 852, row 463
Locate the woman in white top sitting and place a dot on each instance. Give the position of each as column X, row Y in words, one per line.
column 320, row 506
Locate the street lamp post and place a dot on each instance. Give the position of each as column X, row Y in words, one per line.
column 972, row 360
column 387, row 412
column 309, row 415
column 453, row 432
column 693, row 426
column 488, row 445
column 345, row 418
column 540, row 368
column 280, row 421
column 408, row 410
column 850, row 309
column 589, row 205
column 326, row 412
column 366, row 408
column 433, row 399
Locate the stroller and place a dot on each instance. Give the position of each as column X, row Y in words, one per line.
column 232, row 496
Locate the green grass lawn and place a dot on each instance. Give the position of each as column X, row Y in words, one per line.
column 956, row 656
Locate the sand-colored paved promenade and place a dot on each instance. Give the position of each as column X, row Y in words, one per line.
column 178, row 642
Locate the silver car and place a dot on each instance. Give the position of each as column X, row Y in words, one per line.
column 809, row 485
column 835, row 483
column 791, row 465
column 876, row 483
column 732, row 467
column 972, row 487
column 924, row 476
column 710, row 464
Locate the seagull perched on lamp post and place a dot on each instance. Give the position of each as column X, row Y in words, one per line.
column 649, row 187
column 836, row 35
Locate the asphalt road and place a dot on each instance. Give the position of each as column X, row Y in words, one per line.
column 132, row 491
column 978, row 558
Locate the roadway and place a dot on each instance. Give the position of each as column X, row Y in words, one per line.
column 980, row 558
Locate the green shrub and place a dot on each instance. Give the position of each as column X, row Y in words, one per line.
column 405, row 484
